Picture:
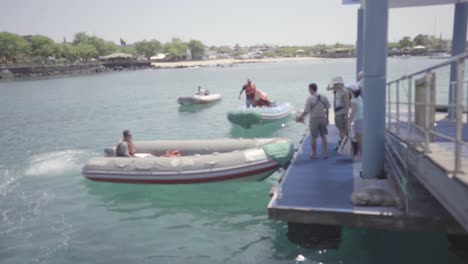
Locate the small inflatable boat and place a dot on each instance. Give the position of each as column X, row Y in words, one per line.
column 201, row 161
column 198, row 99
column 248, row 116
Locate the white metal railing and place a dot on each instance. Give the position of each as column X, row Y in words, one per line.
column 415, row 133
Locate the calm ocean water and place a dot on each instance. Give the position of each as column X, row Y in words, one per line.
column 51, row 214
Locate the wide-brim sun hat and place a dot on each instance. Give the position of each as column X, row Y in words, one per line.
column 335, row 80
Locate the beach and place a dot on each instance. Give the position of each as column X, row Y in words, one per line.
column 227, row 62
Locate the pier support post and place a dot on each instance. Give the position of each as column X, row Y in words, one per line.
column 360, row 40
column 458, row 47
column 374, row 85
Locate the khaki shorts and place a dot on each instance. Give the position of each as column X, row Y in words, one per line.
column 341, row 122
column 318, row 126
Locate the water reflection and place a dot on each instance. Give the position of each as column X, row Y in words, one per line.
column 260, row 130
column 218, row 199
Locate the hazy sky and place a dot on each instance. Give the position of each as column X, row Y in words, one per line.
column 214, row 22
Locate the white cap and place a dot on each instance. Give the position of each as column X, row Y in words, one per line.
column 353, row 87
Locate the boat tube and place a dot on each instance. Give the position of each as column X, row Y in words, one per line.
column 201, row 161
column 248, row 116
column 198, row 99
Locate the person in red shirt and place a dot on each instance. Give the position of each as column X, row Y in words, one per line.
column 250, row 91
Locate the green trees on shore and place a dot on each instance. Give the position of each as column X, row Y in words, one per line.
column 12, row 46
column 430, row 42
column 197, row 49
column 42, row 46
column 37, row 48
column 148, row 48
column 176, row 50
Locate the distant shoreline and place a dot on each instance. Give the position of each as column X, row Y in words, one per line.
column 227, row 62
column 41, row 71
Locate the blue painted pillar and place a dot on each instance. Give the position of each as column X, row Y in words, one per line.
column 374, row 85
column 458, row 47
column 360, row 40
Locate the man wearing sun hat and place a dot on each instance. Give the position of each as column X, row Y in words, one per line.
column 340, row 105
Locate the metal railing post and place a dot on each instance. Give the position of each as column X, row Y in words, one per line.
column 459, row 113
column 466, row 82
column 398, row 108
column 410, row 98
column 389, row 107
column 427, row 113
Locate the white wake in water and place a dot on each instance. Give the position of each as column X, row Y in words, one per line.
column 56, row 163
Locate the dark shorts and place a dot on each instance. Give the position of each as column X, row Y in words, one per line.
column 249, row 100
column 318, row 126
column 341, row 122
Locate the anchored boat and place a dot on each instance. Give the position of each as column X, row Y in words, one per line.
column 201, row 161
column 198, row 99
column 248, row 116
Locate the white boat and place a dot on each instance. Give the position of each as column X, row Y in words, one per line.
column 248, row 116
column 201, row 161
column 198, row 99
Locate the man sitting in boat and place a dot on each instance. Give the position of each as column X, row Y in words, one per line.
column 202, row 91
column 261, row 99
column 125, row 147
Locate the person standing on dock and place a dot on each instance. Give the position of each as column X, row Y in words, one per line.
column 250, row 91
column 316, row 107
column 356, row 117
column 340, row 105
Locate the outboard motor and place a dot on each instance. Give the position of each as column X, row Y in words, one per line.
column 109, row 152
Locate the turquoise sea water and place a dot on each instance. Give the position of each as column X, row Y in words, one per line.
column 50, row 214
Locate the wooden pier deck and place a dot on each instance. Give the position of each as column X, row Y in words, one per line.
column 318, row 191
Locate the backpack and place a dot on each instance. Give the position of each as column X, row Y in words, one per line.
column 324, row 106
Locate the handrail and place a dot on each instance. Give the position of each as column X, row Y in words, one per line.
column 426, row 105
column 442, row 64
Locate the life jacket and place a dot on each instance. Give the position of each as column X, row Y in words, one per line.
column 172, row 153
column 261, row 98
column 250, row 89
